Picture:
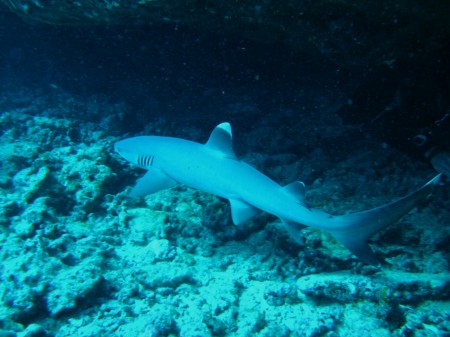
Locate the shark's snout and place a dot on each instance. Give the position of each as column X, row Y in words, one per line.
column 117, row 147
column 124, row 150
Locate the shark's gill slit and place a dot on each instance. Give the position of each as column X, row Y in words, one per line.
column 145, row 161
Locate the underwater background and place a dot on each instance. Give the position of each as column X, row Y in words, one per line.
column 350, row 98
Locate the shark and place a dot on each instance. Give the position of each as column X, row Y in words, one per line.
column 214, row 168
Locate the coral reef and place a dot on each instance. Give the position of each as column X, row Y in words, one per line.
column 80, row 258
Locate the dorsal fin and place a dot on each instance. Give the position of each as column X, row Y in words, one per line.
column 221, row 139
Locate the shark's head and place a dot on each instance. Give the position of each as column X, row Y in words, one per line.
column 136, row 150
column 126, row 150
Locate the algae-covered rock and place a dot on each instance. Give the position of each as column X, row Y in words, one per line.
column 43, row 164
column 35, row 330
column 257, row 316
column 157, row 321
column 174, row 264
column 84, row 175
column 79, row 284
column 392, row 287
column 34, row 217
column 32, row 181
column 8, row 208
column 164, row 275
column 24, row 273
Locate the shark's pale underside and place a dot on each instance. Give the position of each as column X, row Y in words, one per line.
column 214, row 168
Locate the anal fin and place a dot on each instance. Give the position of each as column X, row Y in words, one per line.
column 241, row 211
column 295, row 230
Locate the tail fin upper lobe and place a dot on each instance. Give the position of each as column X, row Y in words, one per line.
column 353, row 230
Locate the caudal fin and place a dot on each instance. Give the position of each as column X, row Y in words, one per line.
column 353, row 230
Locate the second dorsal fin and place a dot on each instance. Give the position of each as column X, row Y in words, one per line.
column 296, row 189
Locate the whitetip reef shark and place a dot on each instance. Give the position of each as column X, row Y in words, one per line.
column 213, row 167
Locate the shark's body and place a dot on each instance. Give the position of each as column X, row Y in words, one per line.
column 214, row 168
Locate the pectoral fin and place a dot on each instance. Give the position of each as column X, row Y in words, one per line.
column 153, row 181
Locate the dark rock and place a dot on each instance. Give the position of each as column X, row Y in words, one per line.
column 354, row 34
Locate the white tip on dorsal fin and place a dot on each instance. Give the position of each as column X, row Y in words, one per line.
column 221, row 139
